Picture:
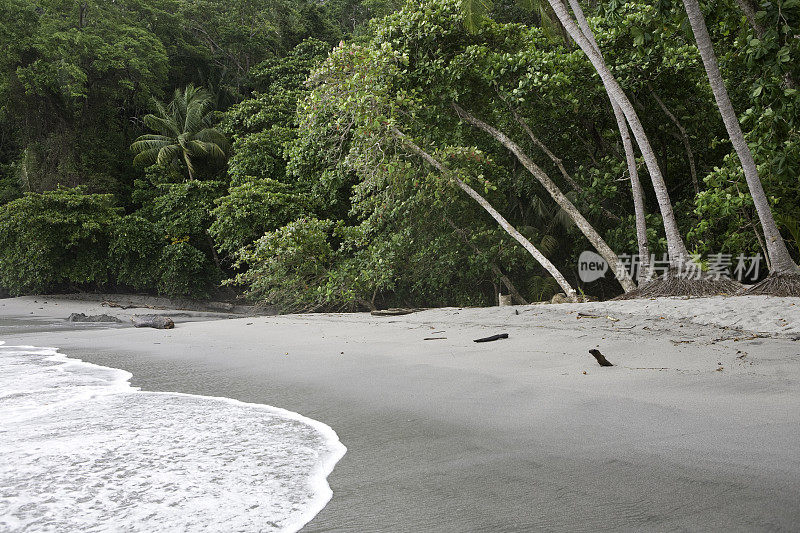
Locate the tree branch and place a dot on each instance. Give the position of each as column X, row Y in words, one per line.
column 684, row 137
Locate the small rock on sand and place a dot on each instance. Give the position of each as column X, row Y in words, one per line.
column 152, row 321
column 81, row 317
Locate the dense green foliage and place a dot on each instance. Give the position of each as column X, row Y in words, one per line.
column 270, row 131
column 67, row 239
column 55, row 238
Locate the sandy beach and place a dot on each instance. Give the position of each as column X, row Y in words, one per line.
column 696, row 427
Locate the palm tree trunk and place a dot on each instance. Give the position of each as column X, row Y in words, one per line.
column 749, row 11
column 511, row 230
column 675, row 244
column 188, row 165
column 645, row 266
column 580, row 221
column 779, row 256
column 556, row 161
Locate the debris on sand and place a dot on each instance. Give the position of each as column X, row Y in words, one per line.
column 394, row 311
column 493, row 338
column 601, row 359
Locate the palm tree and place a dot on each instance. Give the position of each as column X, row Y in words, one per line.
column 185, row 132
column 645, row 266
column 500, row 219
column 675, row 244
column 474, row 10
column 780, row 260
column 560, row 198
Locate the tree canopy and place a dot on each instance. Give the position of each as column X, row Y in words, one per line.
column 352, row 154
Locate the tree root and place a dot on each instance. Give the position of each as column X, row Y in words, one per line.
column 777, row 284
column 671, row 284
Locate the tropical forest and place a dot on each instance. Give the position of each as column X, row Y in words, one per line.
column 344, row 155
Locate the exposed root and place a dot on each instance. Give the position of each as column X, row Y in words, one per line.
column 671, row 284
column 777, row 284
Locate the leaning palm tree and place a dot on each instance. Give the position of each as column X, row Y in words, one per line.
column 184, row 130
column 476, row 10
column 472, row 193
column 675, row 244
column 560, row 198
column 624, row 114
column 781, row 263
column 646, row 267
column 674, row 282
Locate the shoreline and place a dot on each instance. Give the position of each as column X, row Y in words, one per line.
column 450, row 435
column 114, row 385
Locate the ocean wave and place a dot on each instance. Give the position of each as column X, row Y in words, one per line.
column 84, row 451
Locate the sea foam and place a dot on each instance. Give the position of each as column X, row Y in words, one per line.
column 82, row 450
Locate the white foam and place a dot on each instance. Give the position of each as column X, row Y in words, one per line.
column 82, row 450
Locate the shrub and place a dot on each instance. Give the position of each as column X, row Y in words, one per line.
column 135, row 251
column 55, row 238
column 294, row 267
column 185, row 271
column 70, row 239
column 253, row 208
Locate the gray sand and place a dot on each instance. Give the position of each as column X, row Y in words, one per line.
column 697, row 427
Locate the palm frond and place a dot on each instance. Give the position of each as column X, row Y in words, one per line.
column 213, row 135
column 146, row 157
column 547, row 18
column 154, row 137
column 194, row 118
column 193, row 94
column 474, row 12
column 208, row 149
column 548, row 245
column 161, row 110
column 540, row 209
column 164, row 125
column 169, row 155
column 563, row 219
column 142, row 145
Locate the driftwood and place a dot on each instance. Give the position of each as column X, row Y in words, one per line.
column 492, row 338
column 601, row 359
column 394, row 311
column 152, row 321
column 80, row 317
column 115, row 304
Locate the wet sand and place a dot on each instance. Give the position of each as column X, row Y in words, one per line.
column 696, row 427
